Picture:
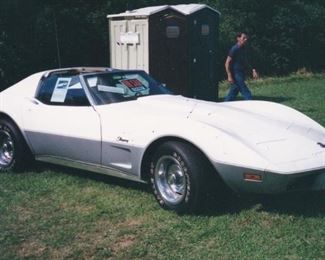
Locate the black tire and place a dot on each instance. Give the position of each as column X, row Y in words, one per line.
column 179, row 174
column 13, row 150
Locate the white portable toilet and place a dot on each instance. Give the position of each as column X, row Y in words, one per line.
column 129, row 38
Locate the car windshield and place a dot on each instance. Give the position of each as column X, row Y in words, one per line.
column 111, row 87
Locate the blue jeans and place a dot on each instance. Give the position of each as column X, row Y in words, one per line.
column 238, row 86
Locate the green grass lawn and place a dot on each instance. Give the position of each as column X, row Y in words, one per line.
column 54, row 212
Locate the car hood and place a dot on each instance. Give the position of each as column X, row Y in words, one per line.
column 279, row 134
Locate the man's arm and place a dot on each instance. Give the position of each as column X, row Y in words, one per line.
column 250, row 67
column 227, row 66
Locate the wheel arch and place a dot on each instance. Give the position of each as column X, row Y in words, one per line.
column 155, row 144
column 9, row 118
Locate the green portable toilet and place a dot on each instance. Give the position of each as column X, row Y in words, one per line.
column 176, row 44
column 203, row 30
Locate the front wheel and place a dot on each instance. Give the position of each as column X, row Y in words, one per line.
column 179, row 174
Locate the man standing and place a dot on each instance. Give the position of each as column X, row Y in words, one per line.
column 236, row 64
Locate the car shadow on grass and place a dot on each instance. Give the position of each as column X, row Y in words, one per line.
column 40, row 167
column 306, row 204
column 221, row 202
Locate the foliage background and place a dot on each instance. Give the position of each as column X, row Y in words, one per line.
column 285, row 35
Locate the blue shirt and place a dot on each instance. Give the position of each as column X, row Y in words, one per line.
column 237, row 54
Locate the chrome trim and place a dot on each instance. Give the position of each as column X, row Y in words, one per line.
column 88, row 167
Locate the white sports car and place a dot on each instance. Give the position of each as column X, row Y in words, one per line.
column 125, row 124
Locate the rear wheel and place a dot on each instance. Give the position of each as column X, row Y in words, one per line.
column 13, row 150
column 179, row 176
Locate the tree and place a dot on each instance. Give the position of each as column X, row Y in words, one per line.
column 35, row 34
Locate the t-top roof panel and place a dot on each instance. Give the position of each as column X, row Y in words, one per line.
column 185, row 9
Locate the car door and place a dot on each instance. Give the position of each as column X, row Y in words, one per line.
column 60, row 122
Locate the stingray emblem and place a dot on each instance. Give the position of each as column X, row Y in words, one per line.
column 321, row 145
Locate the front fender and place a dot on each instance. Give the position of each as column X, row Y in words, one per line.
column 218, row 146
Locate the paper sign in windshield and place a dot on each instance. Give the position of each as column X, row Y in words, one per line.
column 134, row 85
column 60, row 90
column 92, row 81
column 111, row 89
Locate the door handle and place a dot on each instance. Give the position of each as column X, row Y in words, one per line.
column 34, row 101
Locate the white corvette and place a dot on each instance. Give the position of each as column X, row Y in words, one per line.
column 123, row 123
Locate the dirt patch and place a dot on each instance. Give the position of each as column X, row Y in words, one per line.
column 123, row 243
column 126, row 236
column 23, row 213
column 31, row 248
column 132, row 222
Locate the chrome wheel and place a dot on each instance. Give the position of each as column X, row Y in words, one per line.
column 7, row 150
column 178, row 175
column 170, row 179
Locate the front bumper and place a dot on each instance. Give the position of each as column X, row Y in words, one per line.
column 271, row 182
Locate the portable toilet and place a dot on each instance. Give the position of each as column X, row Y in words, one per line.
column 176, row 44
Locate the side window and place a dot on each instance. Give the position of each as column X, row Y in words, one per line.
column 62, row 90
